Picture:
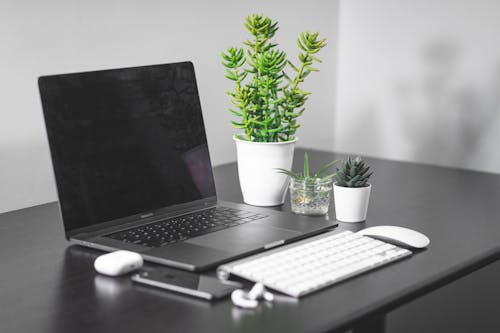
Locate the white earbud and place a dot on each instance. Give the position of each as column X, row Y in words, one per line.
column 268, row 296
column 250, row 300
column 257, row 291
column 239, row 298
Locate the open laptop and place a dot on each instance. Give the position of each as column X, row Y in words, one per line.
column 133, row 171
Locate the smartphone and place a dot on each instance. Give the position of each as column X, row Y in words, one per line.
column 192, row 284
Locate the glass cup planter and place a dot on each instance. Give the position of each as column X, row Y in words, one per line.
column 310, row 198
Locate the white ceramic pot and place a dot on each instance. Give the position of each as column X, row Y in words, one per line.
column 351, row 203
column 261, row 184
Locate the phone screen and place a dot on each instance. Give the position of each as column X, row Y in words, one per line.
column 193, row 284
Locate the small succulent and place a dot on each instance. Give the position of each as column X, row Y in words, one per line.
column 353, row 173
column 306, row 176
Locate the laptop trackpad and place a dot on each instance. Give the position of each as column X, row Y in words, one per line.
column 243, row 238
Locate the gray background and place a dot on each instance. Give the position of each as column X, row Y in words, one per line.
column 415, row 80
column 419, row 80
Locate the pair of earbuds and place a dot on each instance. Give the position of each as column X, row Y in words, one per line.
column 250, row 300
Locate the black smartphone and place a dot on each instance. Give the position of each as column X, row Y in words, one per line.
column 192, row 284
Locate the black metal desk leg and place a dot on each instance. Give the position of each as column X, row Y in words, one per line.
column 373, row 324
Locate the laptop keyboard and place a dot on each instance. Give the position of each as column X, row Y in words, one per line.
column 172, row 230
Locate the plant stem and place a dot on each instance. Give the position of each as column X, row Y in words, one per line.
column 299, row 75
column 266, row 111
column 243, row 108
column 257, row 74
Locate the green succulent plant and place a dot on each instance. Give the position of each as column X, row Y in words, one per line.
column 353, row 173
column 266, row 100
column 306, row 176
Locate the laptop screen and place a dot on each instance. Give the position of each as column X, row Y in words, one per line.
column 126, row 142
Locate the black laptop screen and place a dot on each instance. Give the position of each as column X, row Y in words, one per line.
column 126, row 141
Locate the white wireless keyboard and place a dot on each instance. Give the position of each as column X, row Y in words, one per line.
column 306, row 266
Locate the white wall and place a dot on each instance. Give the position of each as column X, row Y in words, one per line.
column 419, row 80
column 58, row 36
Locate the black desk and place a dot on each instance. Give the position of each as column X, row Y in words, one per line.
column 46, row 286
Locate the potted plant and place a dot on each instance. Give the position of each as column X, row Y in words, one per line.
column 310, row 193
column 351, row 190
column 267, row 102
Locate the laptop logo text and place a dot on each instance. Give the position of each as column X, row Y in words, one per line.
column 146, row 215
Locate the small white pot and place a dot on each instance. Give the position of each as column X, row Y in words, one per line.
column 351, row 203
column 261, row 184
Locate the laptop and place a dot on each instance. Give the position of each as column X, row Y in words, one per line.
column 133, row 171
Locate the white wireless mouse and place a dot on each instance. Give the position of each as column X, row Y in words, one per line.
column 397, row 236
column 118, row 263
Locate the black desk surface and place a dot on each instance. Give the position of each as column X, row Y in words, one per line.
column 48, row 286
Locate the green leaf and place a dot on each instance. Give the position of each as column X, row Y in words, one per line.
column 276, row 130
column 312, row 69
column 305, row 74
column 352, row 171
column 288, row 173
column 306, row 165
column 301, row 46
column 328, row 177
column 231, row 76
column 237, row 125
column 293, row 66
column 355, row 179
column 316, row 59
column 324, row 168
column 235, row 113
